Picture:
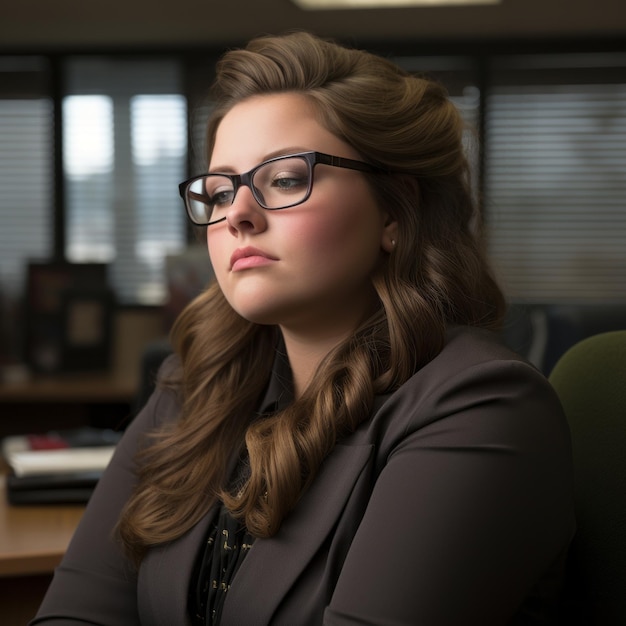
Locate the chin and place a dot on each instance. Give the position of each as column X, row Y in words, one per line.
column 270, row 316
column 258, row 315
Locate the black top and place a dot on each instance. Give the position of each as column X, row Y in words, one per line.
column 225, row 549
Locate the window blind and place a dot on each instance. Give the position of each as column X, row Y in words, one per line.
column 125, row 151
column 26, row 170
column 555, row 175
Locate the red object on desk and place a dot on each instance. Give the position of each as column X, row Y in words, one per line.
column 47, row 442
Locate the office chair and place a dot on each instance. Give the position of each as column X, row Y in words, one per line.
column 151, row 360
column 590, row 379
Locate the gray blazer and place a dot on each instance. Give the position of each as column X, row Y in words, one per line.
column 451, row 505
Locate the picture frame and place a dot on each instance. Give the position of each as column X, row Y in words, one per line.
column 68, row 317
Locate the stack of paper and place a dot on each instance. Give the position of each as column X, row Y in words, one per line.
column 29, row 463
column 57, row 467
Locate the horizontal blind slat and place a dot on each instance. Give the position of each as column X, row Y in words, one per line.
column 555, row 184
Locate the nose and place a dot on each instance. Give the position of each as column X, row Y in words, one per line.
column 245, row 214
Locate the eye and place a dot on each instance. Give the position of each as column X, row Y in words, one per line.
column 219, row 192
column 289, row 181
column 221, row 198
column 281, row 182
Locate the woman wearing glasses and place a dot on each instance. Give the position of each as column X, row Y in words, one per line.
column 339, row 438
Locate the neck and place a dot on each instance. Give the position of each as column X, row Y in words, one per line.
column 305, row 353
column 309, row 338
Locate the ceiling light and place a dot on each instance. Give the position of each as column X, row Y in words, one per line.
column 317, row 5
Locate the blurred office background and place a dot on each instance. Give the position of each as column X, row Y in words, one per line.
column 102, row 107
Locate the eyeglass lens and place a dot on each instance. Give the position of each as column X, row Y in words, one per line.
column 275, row 185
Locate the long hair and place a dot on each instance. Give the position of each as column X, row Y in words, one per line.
column 436, row 276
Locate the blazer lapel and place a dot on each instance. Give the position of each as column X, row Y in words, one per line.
column 273, row 565
column 165, row 574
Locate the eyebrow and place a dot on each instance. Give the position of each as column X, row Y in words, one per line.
column 270, row 155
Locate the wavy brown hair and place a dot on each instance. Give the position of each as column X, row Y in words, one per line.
column 436, row 276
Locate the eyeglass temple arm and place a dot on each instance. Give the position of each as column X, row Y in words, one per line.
column 351, row 164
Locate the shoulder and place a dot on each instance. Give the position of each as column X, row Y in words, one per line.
column 467, row 346
column 477, row 356
column 472, row 353
column 474, row 384
column 163, row 404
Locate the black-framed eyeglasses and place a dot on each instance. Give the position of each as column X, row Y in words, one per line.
column 277, row 183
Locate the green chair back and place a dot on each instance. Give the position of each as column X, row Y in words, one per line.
column 590, row 379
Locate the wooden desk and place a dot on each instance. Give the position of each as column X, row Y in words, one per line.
column 34, row 538
column 32, row 541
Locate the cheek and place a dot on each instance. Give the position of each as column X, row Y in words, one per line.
column 322, row 238
column 340, row 224
column 217, row 253
column 210, row 243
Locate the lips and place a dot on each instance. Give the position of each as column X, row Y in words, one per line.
column 249, row 257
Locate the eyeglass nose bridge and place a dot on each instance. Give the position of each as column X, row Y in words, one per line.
column 246, row 180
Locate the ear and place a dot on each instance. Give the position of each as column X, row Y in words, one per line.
column 389, row 235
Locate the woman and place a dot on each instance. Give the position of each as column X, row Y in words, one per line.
column 340, row 438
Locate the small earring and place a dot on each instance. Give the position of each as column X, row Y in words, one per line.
column 393, row 243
